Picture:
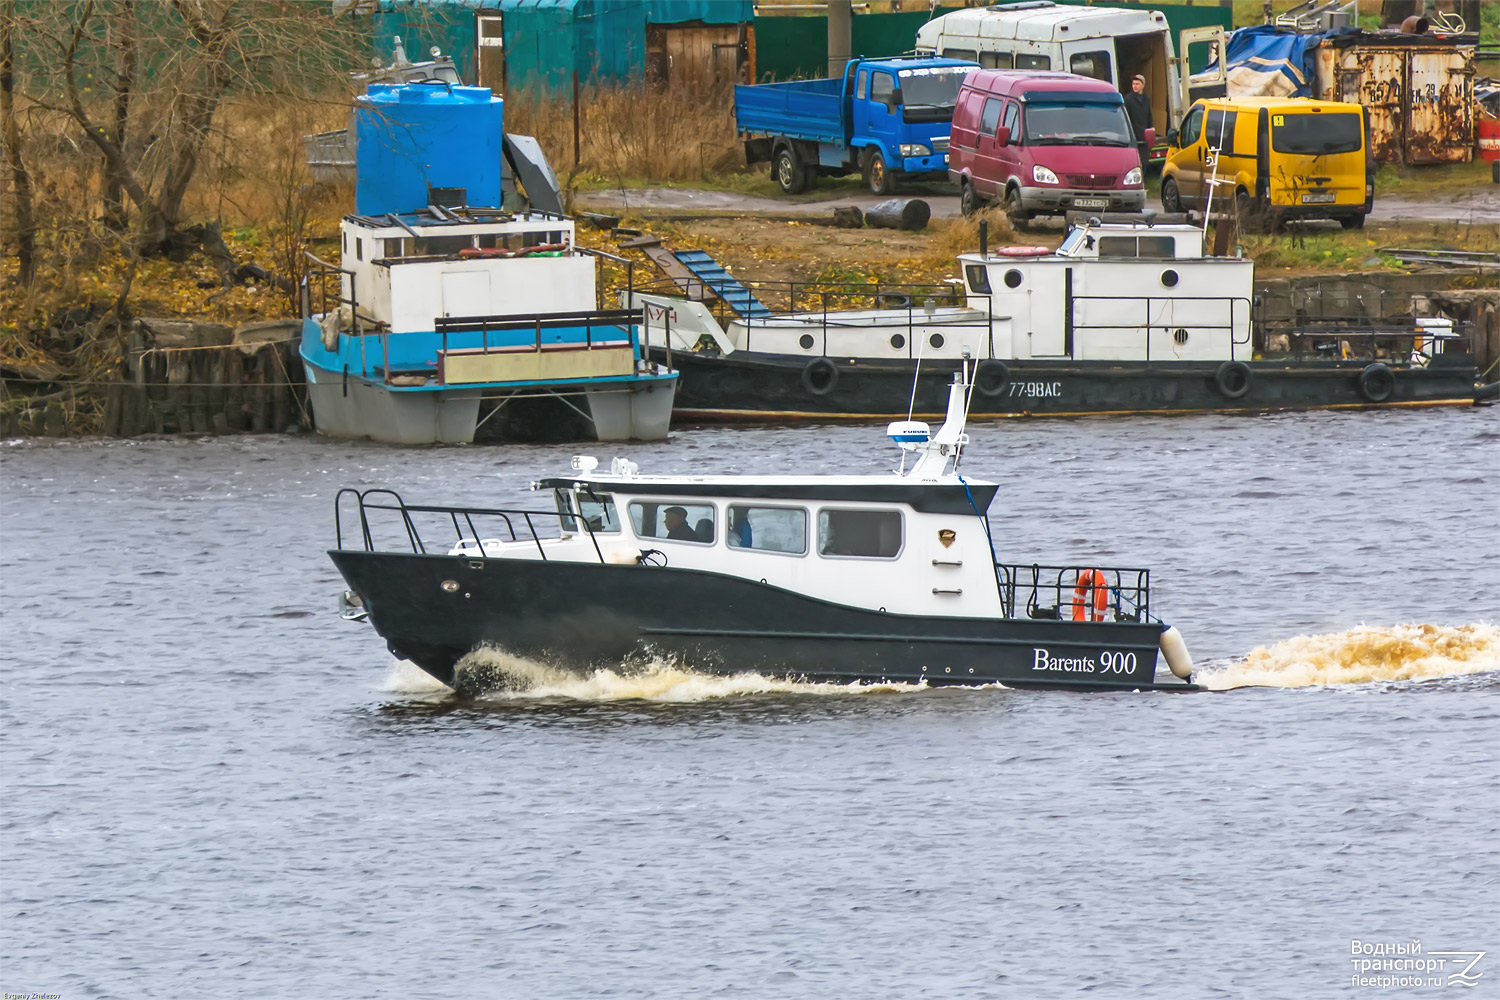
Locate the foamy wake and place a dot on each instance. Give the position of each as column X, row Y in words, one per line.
column 502, row 676
column 1363, row 655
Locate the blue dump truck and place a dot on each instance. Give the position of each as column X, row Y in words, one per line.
column 887, row 118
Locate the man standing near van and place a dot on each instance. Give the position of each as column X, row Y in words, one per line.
column 1138, row 107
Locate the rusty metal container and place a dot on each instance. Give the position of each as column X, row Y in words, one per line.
column 1420, row 94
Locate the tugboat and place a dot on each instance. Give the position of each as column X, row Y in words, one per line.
column 1128, row 315
column 450, row 313
column 874, row 578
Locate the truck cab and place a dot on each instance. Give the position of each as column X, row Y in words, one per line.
column 887, row 118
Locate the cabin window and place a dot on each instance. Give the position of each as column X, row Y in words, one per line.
column 1317, row 134
column 597, row 511
column 767, row 529
column 1157, row 247
column 966, row 54
column 673, row 520
column 392, row 248
column 979, row 278
column 359, row 249
column 990, row 120
column 882, row 87
column 1192, row 127
column 441, row 245
column 865, row 534
column 345, row 245
column 1218, row 132
column 1013, row 120
column 1030, row 60
column 1094, row 64
column 995, row 60
column 860, row 82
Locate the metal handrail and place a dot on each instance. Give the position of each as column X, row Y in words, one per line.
column 413, row 534
column 1129, row 590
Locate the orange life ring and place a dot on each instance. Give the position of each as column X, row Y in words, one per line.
column 1020, row 251
column 1090, row 596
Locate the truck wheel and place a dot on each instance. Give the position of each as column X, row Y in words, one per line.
column 1013, row 211
column 787, row 172
column 969, row 201
column 877, row 177
column 1171, row 200
column 1353, row 221
column 1247, row 214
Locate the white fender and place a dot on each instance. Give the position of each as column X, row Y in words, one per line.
column 1176, row 652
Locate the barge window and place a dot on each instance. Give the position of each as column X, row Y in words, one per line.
column 1152, row 247
column 869, row 534
column 596, row 509
column 441, row 245
column 979, row 278
column 767, row 529
column 673, row 520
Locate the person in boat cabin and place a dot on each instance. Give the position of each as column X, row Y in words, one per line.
column 740, row 536
column 675, row 519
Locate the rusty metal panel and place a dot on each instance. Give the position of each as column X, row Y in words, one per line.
column 1420, row 97
column 1440, row 106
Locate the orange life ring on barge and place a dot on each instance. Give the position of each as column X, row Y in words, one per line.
column 1090, row 596
column 1020, row 251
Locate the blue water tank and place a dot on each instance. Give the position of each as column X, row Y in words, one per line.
column 412, row 139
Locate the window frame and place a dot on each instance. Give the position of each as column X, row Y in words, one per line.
column 806, row 525
column 664, row 503
column 901, row 520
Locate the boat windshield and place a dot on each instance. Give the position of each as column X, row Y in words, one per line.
column 596, row 509
column 1057, row 123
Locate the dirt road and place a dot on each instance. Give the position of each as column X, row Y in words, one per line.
column 1477, row 206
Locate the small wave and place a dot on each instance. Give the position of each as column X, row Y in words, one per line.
column 1363, row 655
column 502, row 676
column 406, row 677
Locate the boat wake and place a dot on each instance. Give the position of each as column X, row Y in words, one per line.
column 494, row 674
column 1363, row 655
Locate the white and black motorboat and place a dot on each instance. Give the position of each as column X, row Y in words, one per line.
column 873, row 578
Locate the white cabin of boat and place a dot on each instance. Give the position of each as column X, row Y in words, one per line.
column 1114, row 291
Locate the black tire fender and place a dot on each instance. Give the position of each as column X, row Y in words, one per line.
column 991, row 377
column 819, row 376
column 1376, row 382
column 1233, row 379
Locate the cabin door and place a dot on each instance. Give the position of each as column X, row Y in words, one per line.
column 466, row 293
column 1049, row 311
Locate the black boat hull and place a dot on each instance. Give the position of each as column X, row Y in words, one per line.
column 433, row 610
column 748, row 386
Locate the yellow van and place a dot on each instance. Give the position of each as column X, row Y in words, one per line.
column 1278, row 158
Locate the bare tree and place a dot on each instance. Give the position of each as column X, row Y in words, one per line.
column 168, row 82
column 20, row 179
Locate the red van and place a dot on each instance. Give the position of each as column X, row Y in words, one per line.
column 1043, row 144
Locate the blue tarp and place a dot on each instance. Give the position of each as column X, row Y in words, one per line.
column 1266, row 61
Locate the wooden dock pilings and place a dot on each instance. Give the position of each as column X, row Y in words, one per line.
column 183, row 377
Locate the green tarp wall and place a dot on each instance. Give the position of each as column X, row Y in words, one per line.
column 788, row 47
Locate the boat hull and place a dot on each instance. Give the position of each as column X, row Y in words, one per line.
column 747, row 386
column 633, row 410
column 433, row 610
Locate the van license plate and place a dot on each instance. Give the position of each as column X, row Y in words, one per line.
column 1090, row 202
column 1318, row 198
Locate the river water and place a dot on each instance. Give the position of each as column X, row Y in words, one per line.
column 214, row 787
